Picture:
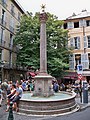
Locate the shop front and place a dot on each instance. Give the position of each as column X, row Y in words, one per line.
column 70, row 77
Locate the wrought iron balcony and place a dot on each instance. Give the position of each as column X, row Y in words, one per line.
column 10, row 65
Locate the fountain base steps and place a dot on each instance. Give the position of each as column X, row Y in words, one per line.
column 47, row 106
column 48, row 112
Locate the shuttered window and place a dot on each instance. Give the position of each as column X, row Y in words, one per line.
column 3, row 17
column 77, row 42
column 72, row 43
column 82, row 23
column 85, row 61
column 0, row 34
column 85, row 41
column 70, row 25
column 71, row 62
column 88, row 37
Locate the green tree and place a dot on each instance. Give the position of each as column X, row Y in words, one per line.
column 28, row 38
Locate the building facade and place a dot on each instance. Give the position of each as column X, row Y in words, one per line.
column 10, row 13
column 78, row 27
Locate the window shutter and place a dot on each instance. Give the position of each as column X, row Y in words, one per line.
column 78, row 42
column 82, row 23
column 2, row 57
column 0, row 35
column 12, row 22
column 71, row 62
column 72, row 43
column 4, row 17
column 85, row 42
column 70, row 25
column 11, row 40
column 85, row 61
column 3, row 35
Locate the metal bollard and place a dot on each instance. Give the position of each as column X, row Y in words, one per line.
column 10, row 117
column 85, row 92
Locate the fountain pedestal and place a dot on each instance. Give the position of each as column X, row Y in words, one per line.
column 43, row 85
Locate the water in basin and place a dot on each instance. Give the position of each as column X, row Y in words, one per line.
column 56, row 96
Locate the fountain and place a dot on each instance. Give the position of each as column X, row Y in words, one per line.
column 43, row 101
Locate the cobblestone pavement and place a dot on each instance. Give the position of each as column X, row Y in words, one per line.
column 4, row 115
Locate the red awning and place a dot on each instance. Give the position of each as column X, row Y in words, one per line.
column 31, row 73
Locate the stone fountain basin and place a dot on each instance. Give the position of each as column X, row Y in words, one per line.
column 60, row 103
column 56, row 97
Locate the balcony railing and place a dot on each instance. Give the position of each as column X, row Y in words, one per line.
column 11, row 65
column 14, row 66
column 8, row 65
column 2, row 22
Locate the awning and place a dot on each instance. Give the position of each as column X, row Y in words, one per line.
column 86, row 73
column 67, row 77
column 31, row 73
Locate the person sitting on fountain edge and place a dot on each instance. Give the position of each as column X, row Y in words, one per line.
column 15, row 99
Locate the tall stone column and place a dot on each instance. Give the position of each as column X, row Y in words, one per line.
column 43, row 81
column 43, row 43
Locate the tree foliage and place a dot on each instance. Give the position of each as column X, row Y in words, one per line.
column 28, row 39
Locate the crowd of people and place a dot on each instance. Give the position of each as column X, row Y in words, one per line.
column 75, row 86
column 12, row 92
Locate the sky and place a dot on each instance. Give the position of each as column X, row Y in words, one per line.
column 61, row 8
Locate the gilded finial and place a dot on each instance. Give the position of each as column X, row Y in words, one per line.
column 43, row 7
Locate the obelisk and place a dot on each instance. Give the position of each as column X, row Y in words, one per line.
column 43, row 81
